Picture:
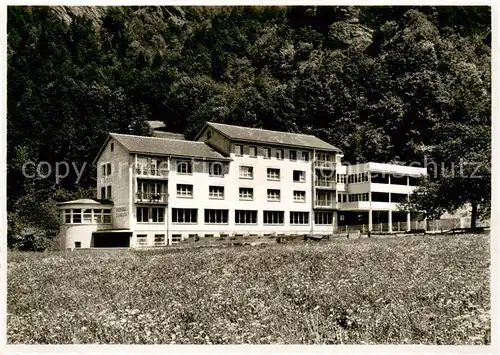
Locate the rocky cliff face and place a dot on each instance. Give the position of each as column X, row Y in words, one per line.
column 346, row 31
column 350, row 34
column 349, row 31
column 94, row 13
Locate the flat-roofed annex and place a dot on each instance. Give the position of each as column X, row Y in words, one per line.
column 386, row 169
column 259, row 135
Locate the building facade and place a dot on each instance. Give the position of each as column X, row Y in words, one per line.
column 231, row 180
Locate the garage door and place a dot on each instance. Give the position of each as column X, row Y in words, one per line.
column 111, row 239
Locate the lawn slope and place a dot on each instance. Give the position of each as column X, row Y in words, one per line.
column 407, row 290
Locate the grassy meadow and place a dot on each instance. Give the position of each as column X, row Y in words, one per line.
column 405, row 290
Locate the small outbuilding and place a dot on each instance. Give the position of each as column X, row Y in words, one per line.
column 87, row 223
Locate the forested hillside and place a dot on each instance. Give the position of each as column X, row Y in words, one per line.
column 382, row 83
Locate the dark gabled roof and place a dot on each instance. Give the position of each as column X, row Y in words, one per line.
column 164, row 146
column 259, row 135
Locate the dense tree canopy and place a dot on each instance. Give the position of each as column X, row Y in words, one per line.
column 381, row 83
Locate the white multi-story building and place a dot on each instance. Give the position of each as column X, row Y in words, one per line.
column 231, row 180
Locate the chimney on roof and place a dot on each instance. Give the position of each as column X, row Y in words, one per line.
column 158, row 131
column 156, row 125
column 170, row 135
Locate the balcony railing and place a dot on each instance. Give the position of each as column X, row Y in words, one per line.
column 151, row 197
column 325, row 183
column 324, row 164
column 152, row 172
column 324, row 204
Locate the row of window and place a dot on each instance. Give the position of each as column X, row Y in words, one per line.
column 218, row 192
column 214, row 168
column 300, row 176
column 245, row 193
column 221, row 216
column 279, row 153
column 178, row 237
column 156, row 167
column 358, row 197
column 247, row 172
column 86, row 216
column 356, row 178
column 375, row 178
column 273, row 174
column 386, row 197
column 142, row 240
column 149, row 167
column 159, row 239
column 293, row 155
column 376, row 197
column 187, row 215
column 380, row 178
column 148, row 189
